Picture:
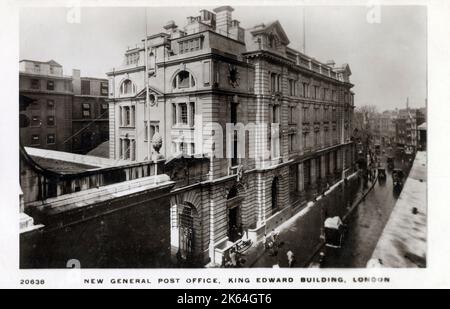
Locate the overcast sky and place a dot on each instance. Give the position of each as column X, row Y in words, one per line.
column 387, row 59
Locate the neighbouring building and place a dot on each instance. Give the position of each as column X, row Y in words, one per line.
column 422, row 137
column 211, row 73
column 66, row 113
column 382, row 127
column 407, row 122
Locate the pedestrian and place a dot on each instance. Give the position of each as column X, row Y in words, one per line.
column 233, row 257
column 291, row 258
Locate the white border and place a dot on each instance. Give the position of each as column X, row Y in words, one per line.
column 436, row 274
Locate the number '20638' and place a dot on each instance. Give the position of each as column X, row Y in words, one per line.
column 32, row 281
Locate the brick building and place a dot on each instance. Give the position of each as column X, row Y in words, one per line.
column 212, row 73
column 65, row 113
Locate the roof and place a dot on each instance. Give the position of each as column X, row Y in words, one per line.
column 52, row 62
column 266, row 28
column 101, row 150
column 423, row 126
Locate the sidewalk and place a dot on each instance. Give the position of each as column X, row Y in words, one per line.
column 307, row 223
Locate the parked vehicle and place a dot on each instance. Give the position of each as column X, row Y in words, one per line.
column 381, row 173
column 390, row 162
column 334, row 232
column 397, row 177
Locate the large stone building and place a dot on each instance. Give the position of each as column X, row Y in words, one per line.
column 212, row 73
column 66, row 113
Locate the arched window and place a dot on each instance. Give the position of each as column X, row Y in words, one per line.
column 183, row 79
column 127, row 87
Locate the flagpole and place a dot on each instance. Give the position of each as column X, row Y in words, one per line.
column 304, row 30
column 147, row 103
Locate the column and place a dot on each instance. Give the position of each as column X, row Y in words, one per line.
column 313, row 172
column 132, row 112
column 122, row 148
column 132, row 150
column 301, row 178
column 323, row 166
column 122, row 112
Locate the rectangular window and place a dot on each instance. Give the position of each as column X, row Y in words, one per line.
column 291, row 87
column 85, row 87
column 291, row 114
column 192, row 114
column 305, row 90
column 316, row 92
column 183, row 112
column 275, row 116
column 35, row 139
column 174, row 114
column 104, row 88
column 206, row 73
column 273, row 82
column 50, row 120
column 103, row 109
column 86, row 110
column 192, row 148
column 37, row 68
column 50, row 85
column 34, row 84
column 291, row 142
column 50, row 139
column 305, row 140
column 35, row 121
column 50, row 104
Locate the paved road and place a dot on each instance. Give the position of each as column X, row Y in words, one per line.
column 365, row 226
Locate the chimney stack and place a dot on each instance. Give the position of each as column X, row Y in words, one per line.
column 223, row 19
column 76, row 81
column 170, row 27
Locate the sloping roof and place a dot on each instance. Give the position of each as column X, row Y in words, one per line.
column 423, row 126
column 101, row 150
column 267, row 28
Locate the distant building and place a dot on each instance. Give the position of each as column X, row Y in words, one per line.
column 66, row 113
column 422, row 137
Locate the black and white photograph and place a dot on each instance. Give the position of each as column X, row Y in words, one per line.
column 269, row 137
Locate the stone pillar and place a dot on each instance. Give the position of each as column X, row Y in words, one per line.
column 122, row 110
column 132, row 115
column 301, row 178
column 323, row 167
column 313, row 173
column 132, row 150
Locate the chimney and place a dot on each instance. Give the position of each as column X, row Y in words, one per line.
column 223, row 19
column 170, row 27
column 76, row 81
column 331, row 63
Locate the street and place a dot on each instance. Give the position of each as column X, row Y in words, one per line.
column 365, row 226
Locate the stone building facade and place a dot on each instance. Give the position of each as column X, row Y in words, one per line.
column 213, row 73
column 66, row 113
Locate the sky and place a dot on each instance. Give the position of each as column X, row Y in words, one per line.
column 387, row 56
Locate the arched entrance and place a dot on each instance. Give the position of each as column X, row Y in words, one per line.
column 186, row 216
column 234, row 202
column 275, row 182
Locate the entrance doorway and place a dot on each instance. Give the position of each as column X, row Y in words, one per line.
column 186, row 220
column 275, row 194
column 234, row 215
